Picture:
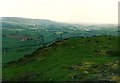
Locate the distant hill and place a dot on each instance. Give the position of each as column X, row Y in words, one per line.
column 21, row 36
column 26, row 22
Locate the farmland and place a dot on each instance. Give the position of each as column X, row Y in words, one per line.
column 45, row 50
column 22, row 36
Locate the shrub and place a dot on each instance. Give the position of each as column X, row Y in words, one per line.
column 113, row 53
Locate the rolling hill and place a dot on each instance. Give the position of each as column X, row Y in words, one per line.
column 73, row 59
column 21, row 36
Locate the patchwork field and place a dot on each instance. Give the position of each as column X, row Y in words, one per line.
column 22, row 36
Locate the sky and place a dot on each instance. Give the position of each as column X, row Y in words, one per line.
column 70, row 11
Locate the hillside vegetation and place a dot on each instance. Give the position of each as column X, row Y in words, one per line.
column 22, row 36
column 73, row 59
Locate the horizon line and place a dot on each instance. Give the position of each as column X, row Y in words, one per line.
column 60, row 21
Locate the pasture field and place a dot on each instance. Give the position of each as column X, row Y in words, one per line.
column 74, row 59
column 22, row 36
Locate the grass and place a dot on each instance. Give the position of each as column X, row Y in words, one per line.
column 69, row 60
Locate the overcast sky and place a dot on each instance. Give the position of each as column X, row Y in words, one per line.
column 73, row 11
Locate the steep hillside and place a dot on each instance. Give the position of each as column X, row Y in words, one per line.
column 74, row 59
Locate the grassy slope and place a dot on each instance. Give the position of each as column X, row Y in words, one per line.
column 72, row 59
column 17, row 49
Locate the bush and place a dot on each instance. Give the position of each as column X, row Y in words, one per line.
column 113, row 53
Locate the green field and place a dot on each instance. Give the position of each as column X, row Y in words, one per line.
column 73, row 59
column 22, row 36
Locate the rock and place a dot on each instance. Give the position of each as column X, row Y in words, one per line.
column 106, row 65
